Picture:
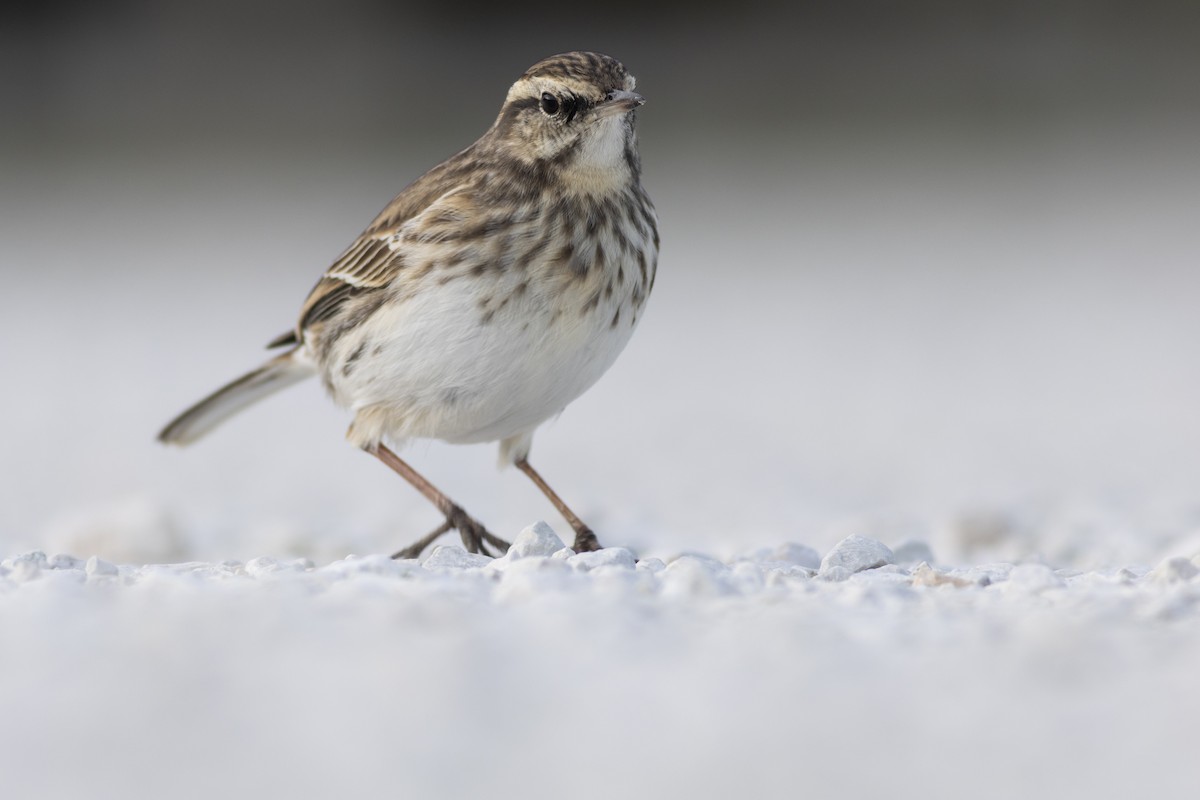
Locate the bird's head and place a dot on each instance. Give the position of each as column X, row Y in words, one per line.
column 574, row 112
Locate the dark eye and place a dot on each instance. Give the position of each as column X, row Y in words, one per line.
column 549, row 104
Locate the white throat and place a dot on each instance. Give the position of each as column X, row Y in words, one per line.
column 600, row 165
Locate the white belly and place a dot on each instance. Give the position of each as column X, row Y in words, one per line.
column 443, row 365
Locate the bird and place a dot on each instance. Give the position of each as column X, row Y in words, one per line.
column 488, row 295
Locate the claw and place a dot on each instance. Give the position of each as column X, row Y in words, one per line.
column 475, row 537
column 585, row 541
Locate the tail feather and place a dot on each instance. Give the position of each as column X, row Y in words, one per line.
column 276, row 374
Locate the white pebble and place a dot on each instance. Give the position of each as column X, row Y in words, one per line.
column 1034, row 578
column 888, row 575
column 856, row 553
column 261, row 566
column 258, row 567
column 539, row 539
column 1174, row 570
column 377, row 564
column 798, row 554
column 690, row 576
column 615, row 581
column 748, row 577
column 791, row 571
column 36, row 557
column 925, row 575
column 835, row 574
column 535, row 564
column 64, row 561
column 98, row 566
column 984, row 574
column 452, row 556
column 785, row 577
column 608, row 557
column 533, row 577
column 25, row 567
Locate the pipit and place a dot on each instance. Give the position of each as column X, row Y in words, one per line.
column 489, row 294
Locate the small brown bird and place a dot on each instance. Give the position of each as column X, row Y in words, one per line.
column 489, row 294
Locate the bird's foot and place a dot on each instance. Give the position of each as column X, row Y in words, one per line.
column 475, row 537
column 585, row 540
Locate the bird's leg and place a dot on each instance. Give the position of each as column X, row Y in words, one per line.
column 475, row 537
column 585, row 540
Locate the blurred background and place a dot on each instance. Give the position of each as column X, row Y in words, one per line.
column 929, row 270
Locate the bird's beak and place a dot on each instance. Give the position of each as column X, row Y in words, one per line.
column 618, row 102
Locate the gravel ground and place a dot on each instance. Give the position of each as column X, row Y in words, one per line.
column 861, row 672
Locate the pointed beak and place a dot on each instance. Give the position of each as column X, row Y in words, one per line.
column 619, row 102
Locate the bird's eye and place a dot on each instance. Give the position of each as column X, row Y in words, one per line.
column 549, row 104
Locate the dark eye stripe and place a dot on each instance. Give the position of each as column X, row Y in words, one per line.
column 571, row 107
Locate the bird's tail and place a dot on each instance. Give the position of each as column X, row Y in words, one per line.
column 276, row 374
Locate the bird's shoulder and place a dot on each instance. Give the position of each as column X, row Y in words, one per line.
column 429, row 211
column 457, row 174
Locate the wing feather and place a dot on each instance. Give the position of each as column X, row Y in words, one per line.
column 368, row 265
column 375, row 260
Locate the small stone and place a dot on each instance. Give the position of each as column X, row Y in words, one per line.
column 25, row 567
column 231, row 568
column 856, row 553
column 748, row 577
column 799, row 554
column 925, row 575
column 262, row 566
column 376, row 564
column 889, row 575
column 1034, row 578
column 614, row 580
column 1174, row 570
column 607, row 557
column 835, row 574
column 34, row 557
column 452, row 556
column 785, row 577
column 651, row 565
column 539, row 539
column 985, row 574
column 913, row 551
column 794, row 571
column 64, row 561
column 533, row 576
column 691, row 575
column 98, row 566
column 537, row 564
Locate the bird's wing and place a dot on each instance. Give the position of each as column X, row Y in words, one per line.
column 367, row 265
column 379, row 254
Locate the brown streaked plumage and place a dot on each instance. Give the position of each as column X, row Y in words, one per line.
column 489, row 293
